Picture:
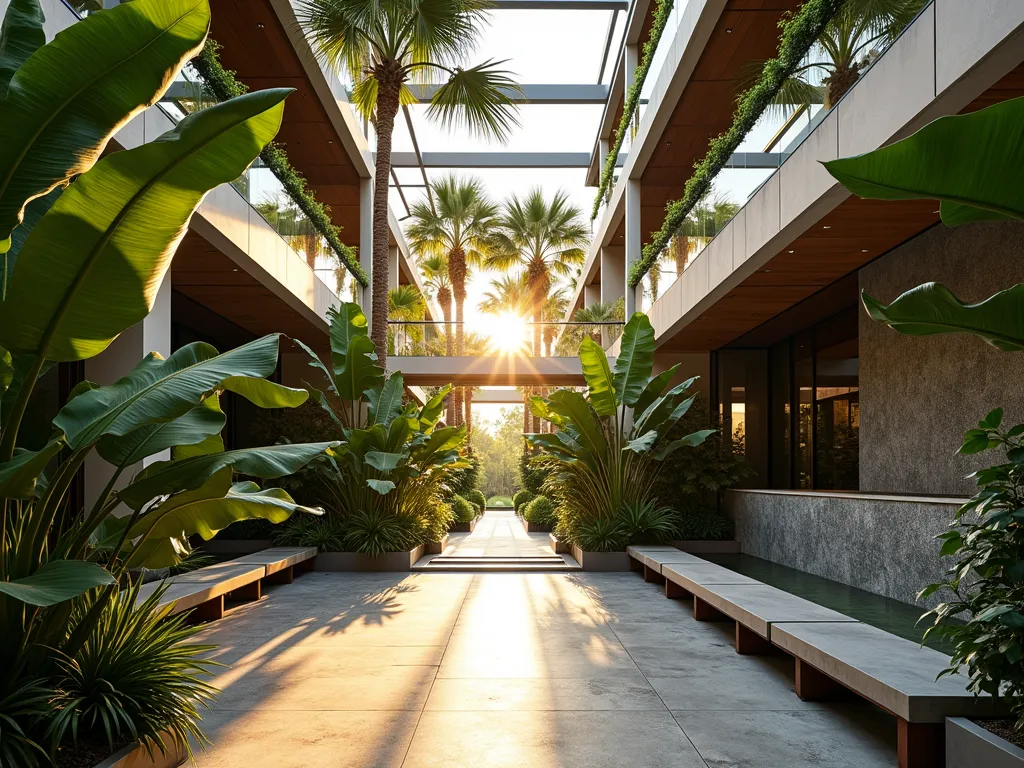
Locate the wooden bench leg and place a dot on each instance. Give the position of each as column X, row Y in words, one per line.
column 211, row 610
column 812, row 685
column 634, row 564
column 305, row 566
column 673, row 591
column 248, row 592
column 749, row 643
column 651, row 575
column 284, row 576
column 705, row 612
column 920, row 745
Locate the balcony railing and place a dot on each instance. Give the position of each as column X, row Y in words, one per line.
column 496, row 337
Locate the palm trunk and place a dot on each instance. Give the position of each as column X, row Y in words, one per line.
column 446, row 308
column 387, row 108
column 469, row 412
column 457, row 274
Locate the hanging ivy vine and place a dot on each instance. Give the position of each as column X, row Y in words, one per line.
column 222, row 85
column 661, row 15
column 799, row 33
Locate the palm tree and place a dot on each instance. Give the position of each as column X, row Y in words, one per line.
column 546, row 239
column 435, row 275
column 612, row 313
column 381, row 45
column 509, row 293
column 850, row 42
column 405, row 303
column 294, row 226
column 459, row 225
column 554, row 310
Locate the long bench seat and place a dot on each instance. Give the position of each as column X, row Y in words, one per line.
column 204, row 590
column 651, row 559
column 835, row 654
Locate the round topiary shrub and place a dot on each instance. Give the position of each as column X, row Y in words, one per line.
column 464, row 510
column 522, row 498
column 541, row 511
column 478, row 499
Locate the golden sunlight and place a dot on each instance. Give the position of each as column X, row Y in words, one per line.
column 506, row 333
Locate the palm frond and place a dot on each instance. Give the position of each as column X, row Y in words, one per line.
column 479, row 98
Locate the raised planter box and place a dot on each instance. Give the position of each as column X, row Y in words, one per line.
column 136, row 756
column 236, row 546
column 355, row 561
column 730, row 547
column 464, row 527
column 436, row 547
column 558, row 546
column 535, row 527
column 968, row 745
column 601, row 561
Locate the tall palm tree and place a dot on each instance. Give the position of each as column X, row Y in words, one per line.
column 459, row 225
column 382, row 45
column 434, row 268
column 612, row 313
column 546, row 239
column 848, row 45
column 405, row 303
column 509, row 293
column 554, row 310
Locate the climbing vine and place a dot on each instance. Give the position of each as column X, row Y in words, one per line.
column 661, row 15
column 799, row 33
column 222, row 85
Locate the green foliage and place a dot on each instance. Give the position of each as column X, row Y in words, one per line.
column 325, row 534
column 499, row 502
column 223, row 85
column 971, row 164
column 985, row 580
column 531, row 476
column 598, row 466
column 799, row 34
column 478, row 500
column 389, row 483
column 541, row 511
column 464, row 509
column 84, row 264
column 699, row 523
column 464, row 480
column 135, row 677
column 647, row 523
column 499, row 450
column 522, row 498
column 662, row 13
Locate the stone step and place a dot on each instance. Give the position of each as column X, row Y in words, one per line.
column 524, row 564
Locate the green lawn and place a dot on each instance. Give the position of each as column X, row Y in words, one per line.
column 499, row 501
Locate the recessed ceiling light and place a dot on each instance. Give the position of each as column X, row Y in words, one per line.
column 791, row 250
column 258, row 25
column 728, row 30
column 234, row 270
column 863, row 250
column 767, row 270
column 827, row 226
column 330, row 141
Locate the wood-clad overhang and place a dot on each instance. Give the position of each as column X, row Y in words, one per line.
column 844, row 240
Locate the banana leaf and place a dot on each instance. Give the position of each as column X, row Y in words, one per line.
column 69, row 97
column 57, row 581
column 93, row 264
column 198, row 425
column 18, row 477
column 20, row 36
column 655, row 388
column 635, row 362
column 599, row 377
column 386, row 403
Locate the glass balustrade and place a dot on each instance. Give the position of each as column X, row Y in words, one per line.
column 498, row 336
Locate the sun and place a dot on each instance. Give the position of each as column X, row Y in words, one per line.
column 506, row 333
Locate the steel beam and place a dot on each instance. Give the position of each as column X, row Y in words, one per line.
column 536, row 93
column 561, row 5
column 551, row 160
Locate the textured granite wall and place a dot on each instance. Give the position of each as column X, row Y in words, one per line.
column 885, row 546
column 918, row 395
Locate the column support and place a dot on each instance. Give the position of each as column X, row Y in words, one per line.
column 613, row 275
column 633, row 241
column 366, row 244
column 394, row 267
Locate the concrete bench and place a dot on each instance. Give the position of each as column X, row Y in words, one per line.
column 281, row 562
column 650, row 560
column 895, row 674
column 680, row 576
column 204, row 589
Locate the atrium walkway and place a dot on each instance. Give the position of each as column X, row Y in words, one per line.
column 509, row 670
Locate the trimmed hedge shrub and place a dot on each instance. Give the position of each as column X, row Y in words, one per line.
column 478, row 499
column 698, row 523
column 541, row 511
column 522, row 498
column 463, row 508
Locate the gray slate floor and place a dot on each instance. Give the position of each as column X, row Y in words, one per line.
column 517, row 670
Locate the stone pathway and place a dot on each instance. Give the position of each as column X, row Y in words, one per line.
column 499, row 534
column 509, row 671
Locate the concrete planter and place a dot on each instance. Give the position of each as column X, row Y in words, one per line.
column 968, row 745
column 136, row 756
column 436, row 547
column 464, row 527
column 236, row 546
column 558, row 546
column 355, row 561
column 535, row 527
column 730, row 547
column 605, row 562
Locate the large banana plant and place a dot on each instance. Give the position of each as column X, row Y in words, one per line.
column 973, row 164
column 604, row 453
column 391, row 450
column 86, row 243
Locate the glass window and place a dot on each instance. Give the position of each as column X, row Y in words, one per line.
column 743, row 407
column 837, row 403
column 803, row 420
column 781, row 415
